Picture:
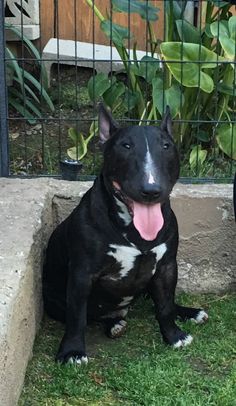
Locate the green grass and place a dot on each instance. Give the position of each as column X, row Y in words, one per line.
column 138, row 369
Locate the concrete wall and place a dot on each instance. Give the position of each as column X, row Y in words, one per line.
column 29, row 209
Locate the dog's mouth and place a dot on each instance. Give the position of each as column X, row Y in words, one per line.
column 147, row 217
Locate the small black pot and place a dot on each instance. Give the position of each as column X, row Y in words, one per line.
column 70, row 169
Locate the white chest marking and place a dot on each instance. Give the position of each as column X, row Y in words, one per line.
column 149, row 166
column 123, row 212
column 125, row 256
column 160, row 251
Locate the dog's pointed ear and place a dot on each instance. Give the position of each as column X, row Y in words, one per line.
column 166, row 124
column 107, row 124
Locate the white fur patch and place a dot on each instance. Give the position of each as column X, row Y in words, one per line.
column 160, row 251
column 201, row 317
column 123, row 212
column 183, row 343
column 77, row 360
column 117, row 329
column 125, row 256
column 149, row 166
column 126, row 300
column 151, row 180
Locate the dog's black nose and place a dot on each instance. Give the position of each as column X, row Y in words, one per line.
column 151, row 192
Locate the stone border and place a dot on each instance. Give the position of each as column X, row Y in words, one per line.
column 29, row 209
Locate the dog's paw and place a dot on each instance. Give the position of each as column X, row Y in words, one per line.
column 183, row 341
column 72, row 359
column 200, row 318
column 76, row 360
column 118, row 329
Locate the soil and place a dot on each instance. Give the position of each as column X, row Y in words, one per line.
column 36, row 149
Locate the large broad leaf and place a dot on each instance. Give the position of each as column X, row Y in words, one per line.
column 226, row 139
column 147, row 68
column 227, row 89
column 115, row 32
column 182, row 60
column 131, row 100
column 170, row 97
column 145, row 10
column 226, row 32
column 97, row 85
column 187, row 32
column 113, row 94
column 232, row 27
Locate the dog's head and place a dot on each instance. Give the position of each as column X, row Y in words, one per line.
column 141, row 166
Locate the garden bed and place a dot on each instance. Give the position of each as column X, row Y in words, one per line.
column 35, row 149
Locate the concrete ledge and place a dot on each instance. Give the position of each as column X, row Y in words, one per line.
column 30, row 209
column 102, row 58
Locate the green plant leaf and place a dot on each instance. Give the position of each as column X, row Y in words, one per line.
column 13, row 64
column 97, row 85
column 117, row 33
column 226, row 31
column 28, row 90
column 219, row 28
column 197, row 157
column 219, row 3
column 39, row 87
column 80, row 149
column 203, row 136
column 226, row 139
column 190, row 73
column 22, row 110
column 131, row 100
column 32, row 50
column 147, row 68
column 227, row 89
column 187, row 32
column 145, row 10
column 232, row 27
column 26, row 103
column 113, row 94
column 168, row 97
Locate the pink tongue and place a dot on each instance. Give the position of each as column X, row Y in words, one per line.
column 148, row 220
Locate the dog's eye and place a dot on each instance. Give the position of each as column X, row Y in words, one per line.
column 166, row 145
column 126, row 145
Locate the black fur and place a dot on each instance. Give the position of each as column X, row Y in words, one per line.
column 82, row 278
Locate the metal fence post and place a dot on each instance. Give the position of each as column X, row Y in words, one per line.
column 4, row 150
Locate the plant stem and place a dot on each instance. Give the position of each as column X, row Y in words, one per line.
column 96, row 10
column 125, row 59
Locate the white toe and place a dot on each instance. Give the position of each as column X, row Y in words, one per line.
column 182, row 343
column 201, row 317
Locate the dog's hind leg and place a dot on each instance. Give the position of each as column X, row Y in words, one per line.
column 198, row 316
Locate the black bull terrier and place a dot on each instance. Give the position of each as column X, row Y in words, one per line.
column 120, row 241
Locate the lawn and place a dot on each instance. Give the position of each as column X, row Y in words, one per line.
column 139, row 369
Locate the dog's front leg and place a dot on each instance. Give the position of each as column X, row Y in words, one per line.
column 162, row 291
column 72, row 348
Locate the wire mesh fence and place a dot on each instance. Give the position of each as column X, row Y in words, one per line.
column 58, row 61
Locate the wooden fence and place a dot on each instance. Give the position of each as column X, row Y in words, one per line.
column 73, row 19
